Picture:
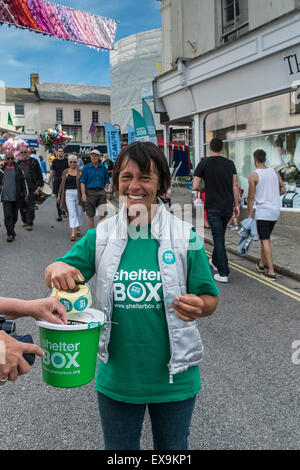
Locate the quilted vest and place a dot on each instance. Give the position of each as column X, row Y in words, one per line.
column 173, row 236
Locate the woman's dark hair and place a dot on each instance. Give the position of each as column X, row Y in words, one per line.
column 260, row 155
column 142, row 153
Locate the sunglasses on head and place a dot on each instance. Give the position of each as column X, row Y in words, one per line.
column 24, row 152
column 9, row 158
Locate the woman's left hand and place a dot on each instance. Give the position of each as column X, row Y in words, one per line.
column 188, row 307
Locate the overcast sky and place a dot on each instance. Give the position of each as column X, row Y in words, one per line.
column 58, row 61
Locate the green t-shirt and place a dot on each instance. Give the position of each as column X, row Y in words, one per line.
column 139, row 348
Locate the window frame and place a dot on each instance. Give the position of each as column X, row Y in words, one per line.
column 19, row 114
column 62, row 114
column 95, row 121
column 77, row 111
column 230, row 30
column 68, row 130
column 95, row 139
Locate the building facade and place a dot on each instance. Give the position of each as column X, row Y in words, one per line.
column 133, row 66
column 22, row 106
column 45, row 105
column 233, row 71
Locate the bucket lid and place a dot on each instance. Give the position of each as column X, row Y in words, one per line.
column 91, row 317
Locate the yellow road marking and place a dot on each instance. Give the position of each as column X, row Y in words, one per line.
column 279, row 287
column 113, row 206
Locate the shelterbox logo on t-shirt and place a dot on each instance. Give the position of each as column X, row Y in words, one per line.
column 143, row 288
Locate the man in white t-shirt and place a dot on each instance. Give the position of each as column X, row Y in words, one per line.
column 265, row 187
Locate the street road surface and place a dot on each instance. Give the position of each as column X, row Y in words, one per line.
column 250, row 376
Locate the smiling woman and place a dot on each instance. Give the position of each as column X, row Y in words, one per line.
column 152, row 285
column 141, row 173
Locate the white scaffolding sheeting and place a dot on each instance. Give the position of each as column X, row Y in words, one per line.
column 132, row 69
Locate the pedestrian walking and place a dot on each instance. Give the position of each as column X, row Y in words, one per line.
column 69, row 196
column 94, row 184
column 32, row 154
column 265, row 188
column 34, row 180
column 43, row 168
column 80, row 163
column 109, row 166
column 108, row 163
column 153, row 282
column 234, row 222
column 221, row 200
column 13, row 191
column 59, row 164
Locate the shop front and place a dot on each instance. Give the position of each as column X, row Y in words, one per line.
column 271, row 124
column 84, row 150
column 248, row 94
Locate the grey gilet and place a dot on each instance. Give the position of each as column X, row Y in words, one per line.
column 173, row 235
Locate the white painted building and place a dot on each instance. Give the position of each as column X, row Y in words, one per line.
column 45, row 105
column 75, row 107
column 132, row 70
column 231, row 69
column 22, row 104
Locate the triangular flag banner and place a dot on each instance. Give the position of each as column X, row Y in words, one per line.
column 9, row 120
column 52, row 19
column 113, row 141
column 149, row 121
column 140, row 127
column 131, row 134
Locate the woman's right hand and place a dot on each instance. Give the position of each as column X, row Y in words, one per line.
column 62, row 276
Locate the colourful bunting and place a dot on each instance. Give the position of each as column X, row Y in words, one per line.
column 59, row 21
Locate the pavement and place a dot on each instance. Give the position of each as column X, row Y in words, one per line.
column 285, row 240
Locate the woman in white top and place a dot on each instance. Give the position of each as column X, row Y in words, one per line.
column 265, row 187
column 69, row 196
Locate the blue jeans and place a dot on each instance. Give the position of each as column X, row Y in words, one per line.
column 122, row 423
column 218, row 221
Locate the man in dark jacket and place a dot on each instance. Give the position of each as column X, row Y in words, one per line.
column 13, row 192
column 34, row 179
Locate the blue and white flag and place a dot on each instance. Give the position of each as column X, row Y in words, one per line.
column 131, row 134
column 149, row 121
column 113, row 141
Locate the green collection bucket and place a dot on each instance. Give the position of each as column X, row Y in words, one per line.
column 70, row 351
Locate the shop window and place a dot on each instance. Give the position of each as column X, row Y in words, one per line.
column 234, row 19
column 19, row 110
column 99, row 136
column 295, row 102
column 272, row 124
column 75, row 131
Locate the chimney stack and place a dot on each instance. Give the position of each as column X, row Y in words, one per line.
column 34, row 80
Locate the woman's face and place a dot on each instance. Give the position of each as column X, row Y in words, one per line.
column 73, row 164
column 136, row 187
